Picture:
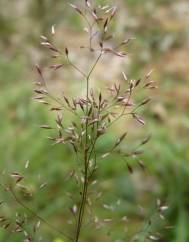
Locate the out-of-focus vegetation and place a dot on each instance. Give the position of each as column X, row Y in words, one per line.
column 162, row 43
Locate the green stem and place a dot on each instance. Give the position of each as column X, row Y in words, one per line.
column 86, row 161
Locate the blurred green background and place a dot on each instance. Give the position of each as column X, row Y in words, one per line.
column 162, row 43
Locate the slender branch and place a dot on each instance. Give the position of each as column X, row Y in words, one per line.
column 35, row 214
column 62, row 105
column 76, row 68
column 90, row 29
column 54, row 98
column 93, row 67
column 123, row 111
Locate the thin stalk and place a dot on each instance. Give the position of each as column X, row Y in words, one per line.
column 49, row 95
column 122, row 113
column 86, row 160
column 35, row 214
column 76, row 68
